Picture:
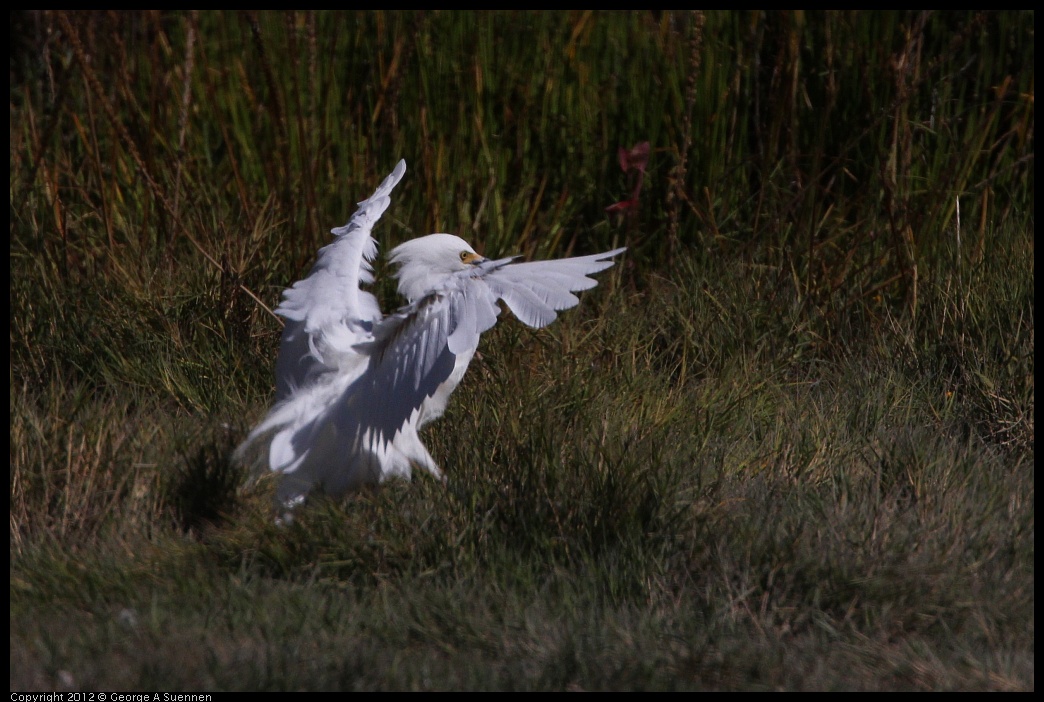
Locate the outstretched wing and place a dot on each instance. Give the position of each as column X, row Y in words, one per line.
column 537, row 290
column 420, row 353
column 327, row 313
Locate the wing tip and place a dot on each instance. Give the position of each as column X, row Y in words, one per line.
column 394, row 177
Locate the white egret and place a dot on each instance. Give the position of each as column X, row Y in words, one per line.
column 353, row 388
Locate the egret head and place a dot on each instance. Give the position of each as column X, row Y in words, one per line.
column 425, row 261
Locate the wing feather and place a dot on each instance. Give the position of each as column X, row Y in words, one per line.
column 415, row 351
column 327, row 313
column 536, row 290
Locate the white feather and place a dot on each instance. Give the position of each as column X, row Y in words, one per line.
column 353, row 389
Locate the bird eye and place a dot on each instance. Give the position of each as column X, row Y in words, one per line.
column 464, row 256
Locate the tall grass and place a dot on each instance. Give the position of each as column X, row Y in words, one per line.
column 786, row 443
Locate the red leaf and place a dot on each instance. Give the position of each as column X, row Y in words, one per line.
column 622, row 206
column 636, row 158
column 625, row 158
